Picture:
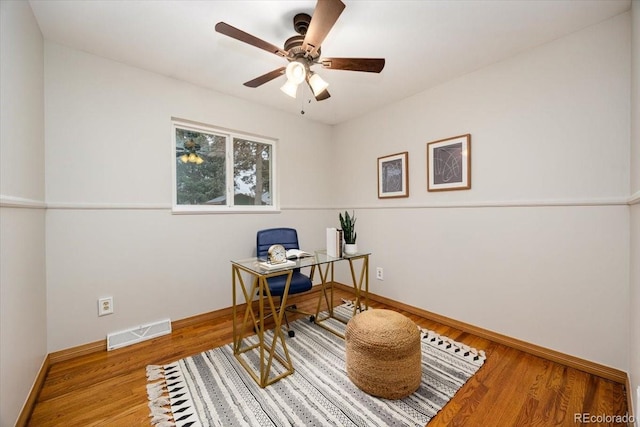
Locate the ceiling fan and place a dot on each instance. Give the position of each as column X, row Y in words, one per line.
column 303, row 51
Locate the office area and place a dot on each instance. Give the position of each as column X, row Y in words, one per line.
column 543, row 248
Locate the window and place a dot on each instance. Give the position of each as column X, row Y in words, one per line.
column 217, row 170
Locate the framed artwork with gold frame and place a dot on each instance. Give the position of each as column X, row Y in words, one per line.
column 393, row 176
column 449, row 164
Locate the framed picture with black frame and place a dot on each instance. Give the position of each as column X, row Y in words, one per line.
column 449, row 164
column 393, row 176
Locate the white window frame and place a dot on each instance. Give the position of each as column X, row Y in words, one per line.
column 230, row 207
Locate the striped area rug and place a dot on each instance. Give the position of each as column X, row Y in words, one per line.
column 213, row 389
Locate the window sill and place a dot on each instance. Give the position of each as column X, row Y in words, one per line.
column 206, row 210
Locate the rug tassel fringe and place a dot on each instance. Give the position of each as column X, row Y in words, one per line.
column 159, row 414
column 158, row 410
column 162, row 420
column 154, row 372
column 155, row 390
column 451, row 346
column 159, row 402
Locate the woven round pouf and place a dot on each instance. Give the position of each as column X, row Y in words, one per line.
column 383, row 355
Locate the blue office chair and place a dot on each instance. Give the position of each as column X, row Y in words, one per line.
column 287, row 237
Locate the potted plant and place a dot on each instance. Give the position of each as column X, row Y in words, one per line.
column 348, row 224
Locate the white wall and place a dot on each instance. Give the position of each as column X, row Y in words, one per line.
column 110, row 230
column 634, row 307
column 22, row 244
column 538, row 249
column 634, row 337
column 541, row 239
column 635, row 98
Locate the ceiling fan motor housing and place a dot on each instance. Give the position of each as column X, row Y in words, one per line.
column 293, row 45
column 301, row 23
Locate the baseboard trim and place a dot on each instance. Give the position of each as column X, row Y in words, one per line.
column 30, row 404
column 81, row 350
column 201, row 318
column 594, row 368
column 630, row 397
column 213, row 315
column 176, row 325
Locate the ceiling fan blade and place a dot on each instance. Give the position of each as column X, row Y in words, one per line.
column 324, row 17
column 233, row 32
column 369, row 65
column 265, row 78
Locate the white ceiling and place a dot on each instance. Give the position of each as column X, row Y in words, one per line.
column 424, row 43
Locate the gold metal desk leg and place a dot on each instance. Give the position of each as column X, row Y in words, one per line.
column 358, row 285
column 328, row 299
column 266, row 350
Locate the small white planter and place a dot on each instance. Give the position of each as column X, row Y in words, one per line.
column 350, row 249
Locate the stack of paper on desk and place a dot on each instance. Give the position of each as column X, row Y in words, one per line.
column 269, row 266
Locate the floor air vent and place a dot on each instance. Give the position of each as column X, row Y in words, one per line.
column 138, row 334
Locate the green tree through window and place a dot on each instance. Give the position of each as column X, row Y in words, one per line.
column 208, row 161
column 251, row 172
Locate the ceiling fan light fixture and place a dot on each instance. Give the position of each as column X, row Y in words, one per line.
column 318, row 85
column 290, row 88
column 302, row 51
column 296, row 72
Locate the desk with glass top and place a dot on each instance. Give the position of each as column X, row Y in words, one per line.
column 249, row 336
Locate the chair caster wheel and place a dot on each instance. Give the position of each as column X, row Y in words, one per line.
column 312, row 319
column 292, row 334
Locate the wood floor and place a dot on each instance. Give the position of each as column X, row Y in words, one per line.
column 513, row 388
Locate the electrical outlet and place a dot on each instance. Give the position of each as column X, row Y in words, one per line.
column 379, row 273
column 105, row 306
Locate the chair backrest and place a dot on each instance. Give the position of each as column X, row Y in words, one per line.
column 287, row 237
